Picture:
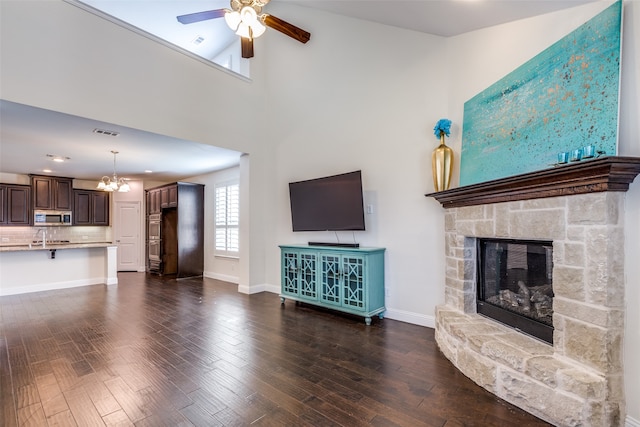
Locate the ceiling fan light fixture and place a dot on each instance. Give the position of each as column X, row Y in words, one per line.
column 250, row 32
column 245, row 23
column 232, row 19
column 246, row 19
column 244, row 31
column 248, row 16
column 258, row 29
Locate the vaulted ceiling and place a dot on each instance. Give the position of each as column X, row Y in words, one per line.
column 25, row 128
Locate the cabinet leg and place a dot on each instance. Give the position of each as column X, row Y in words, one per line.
column 281, row 300
column 381, row 316
column 367, row 320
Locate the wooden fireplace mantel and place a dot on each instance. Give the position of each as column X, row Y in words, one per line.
column 586, row 176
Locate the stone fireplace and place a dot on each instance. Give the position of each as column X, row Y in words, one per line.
column 578, row 208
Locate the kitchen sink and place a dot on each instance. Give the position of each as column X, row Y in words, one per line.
column 51, row 242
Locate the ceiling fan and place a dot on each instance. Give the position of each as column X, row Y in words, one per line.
column 248, row 21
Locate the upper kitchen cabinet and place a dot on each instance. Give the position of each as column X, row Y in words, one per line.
column 169, row 196
column 3, row 204
column 52, row 192
column 153, row 201
column 162, row 198
column 90, row 207
column 15, row 204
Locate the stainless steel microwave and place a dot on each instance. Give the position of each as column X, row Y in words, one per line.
column 51, row 218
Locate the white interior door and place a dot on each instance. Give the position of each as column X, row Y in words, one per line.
column 127, row 235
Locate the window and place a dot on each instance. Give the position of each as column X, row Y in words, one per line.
column 227, row 218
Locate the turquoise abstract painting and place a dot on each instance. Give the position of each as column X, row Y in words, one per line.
column 561, row 100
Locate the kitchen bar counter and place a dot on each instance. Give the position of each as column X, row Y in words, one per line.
column 52, row 246
column 26, row 269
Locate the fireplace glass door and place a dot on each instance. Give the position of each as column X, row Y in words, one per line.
column 515, row 284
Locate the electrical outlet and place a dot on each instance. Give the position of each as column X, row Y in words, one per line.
column 386, row 292
column 369, row 209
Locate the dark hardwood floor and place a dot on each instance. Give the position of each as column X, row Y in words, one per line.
column 154, row 351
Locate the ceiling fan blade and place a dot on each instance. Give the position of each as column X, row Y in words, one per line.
column 247, row 47
column 201, row 16
column 285, row 28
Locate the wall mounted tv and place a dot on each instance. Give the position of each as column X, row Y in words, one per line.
column 330, row 203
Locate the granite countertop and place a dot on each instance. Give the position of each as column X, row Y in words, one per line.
column 8, row 247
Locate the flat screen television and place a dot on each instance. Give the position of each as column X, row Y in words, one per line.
column 330, row 203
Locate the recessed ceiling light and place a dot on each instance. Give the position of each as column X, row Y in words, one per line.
column 106, row 132
column 46, row 170
column 148, row 171
column 58, row 159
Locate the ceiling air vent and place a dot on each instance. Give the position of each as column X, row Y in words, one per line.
column 106, row 132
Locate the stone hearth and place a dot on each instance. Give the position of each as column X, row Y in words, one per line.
column 579, row 207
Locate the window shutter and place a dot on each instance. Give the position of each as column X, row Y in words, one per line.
column 227, row 219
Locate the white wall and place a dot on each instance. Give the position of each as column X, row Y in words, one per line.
column 367, row 97
column 357, row 96
column 630, row 146
column 216, row 267
column 12, row 178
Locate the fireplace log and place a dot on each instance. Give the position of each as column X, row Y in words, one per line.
column 540, row 297
column 526, row 296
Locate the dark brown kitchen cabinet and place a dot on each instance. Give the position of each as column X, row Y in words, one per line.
column 169, row 196
column 90, row 207
column 15, row 204
column 153, row 202
column 162, row 198
column 3, row 204
column 175, row 233
column 51, row 192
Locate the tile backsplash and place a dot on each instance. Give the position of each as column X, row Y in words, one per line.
column 25, row 235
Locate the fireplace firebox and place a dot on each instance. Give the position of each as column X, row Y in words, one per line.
column 515, row 284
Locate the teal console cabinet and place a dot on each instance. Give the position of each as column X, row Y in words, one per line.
column 345, row 279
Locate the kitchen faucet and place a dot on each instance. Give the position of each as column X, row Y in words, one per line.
column 44, row 236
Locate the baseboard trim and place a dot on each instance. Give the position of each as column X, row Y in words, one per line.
column 274, row 289
column 409, row 317
column 631, row 422
column 253, row 289
column 223, row 277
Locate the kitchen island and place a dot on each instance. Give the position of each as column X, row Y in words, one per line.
column 32, row 268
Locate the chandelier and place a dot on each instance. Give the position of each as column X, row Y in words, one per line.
column 114, row 183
